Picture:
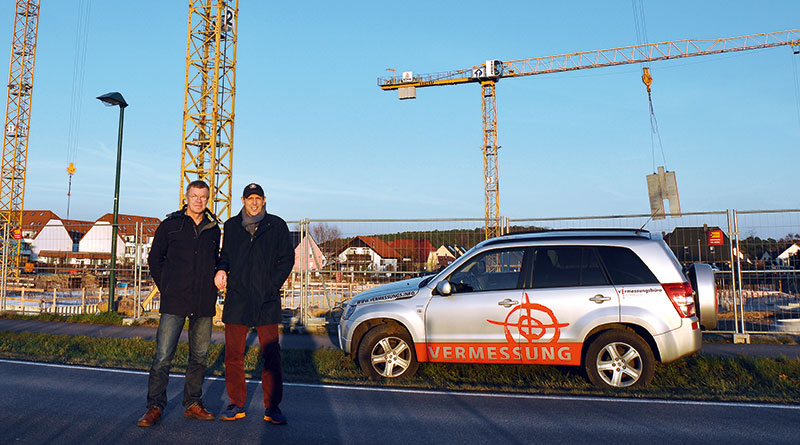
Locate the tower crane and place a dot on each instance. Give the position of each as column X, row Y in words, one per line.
column 15, row 135
column 489, row 73
column 209, row 100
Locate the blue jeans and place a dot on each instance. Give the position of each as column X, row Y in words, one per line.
column 169, row 330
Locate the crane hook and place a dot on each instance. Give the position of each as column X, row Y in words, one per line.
column 647, row 78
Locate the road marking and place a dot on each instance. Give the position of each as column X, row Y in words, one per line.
column 439, row 392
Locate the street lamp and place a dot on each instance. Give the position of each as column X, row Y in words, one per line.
column 110, row 100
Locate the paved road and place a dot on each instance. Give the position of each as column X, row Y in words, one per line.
column 306, row 341
column 60, row 404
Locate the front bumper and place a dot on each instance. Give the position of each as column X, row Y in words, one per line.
column 344, row 342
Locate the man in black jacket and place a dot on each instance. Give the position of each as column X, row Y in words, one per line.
column 182, row 262
column 257, row 256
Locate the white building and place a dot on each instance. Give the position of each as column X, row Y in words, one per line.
column 783, row 258
column 45, row 231
column 98, row 238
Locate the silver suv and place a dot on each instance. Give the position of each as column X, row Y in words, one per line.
column 610, row 301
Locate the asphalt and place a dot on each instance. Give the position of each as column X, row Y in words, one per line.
column 311, row 341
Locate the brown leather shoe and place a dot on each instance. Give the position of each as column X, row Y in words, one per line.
column 197, row 411
column 151, row 417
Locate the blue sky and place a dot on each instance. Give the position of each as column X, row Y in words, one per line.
column 325, row 142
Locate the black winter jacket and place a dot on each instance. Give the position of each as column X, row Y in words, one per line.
column 257, row 267
column 183, row 261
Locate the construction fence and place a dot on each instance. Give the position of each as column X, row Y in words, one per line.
column 754, row 255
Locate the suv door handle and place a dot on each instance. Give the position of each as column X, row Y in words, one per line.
column 507, row 302
column 599, row 298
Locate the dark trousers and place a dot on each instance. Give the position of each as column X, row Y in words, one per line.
column 169, row 330
column 271, row 374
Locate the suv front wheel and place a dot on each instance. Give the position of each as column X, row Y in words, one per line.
column 619, row 359
column 387, row 351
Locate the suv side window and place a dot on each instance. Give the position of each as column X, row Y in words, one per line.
column 625, row 267
column 562, row 266
column 489, row 271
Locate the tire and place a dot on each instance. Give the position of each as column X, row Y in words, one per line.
column 619, row 359
column 387, row 352
column 702, row 278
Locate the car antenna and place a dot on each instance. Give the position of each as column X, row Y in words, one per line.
column 641, row 229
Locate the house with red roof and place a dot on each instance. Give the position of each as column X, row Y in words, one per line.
column 56, row 241
column 415, row 253
column 133, row 230
column 44, row 231
column 368, row 253
column 66, row 252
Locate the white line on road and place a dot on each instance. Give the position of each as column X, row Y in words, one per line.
column 437, row 392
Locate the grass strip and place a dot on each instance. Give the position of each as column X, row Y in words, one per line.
column 111, row 318
column 700, row 377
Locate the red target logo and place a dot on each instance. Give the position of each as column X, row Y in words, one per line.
column 535, row 320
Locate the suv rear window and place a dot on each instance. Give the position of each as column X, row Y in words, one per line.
column 625, row 267
column 562, row 266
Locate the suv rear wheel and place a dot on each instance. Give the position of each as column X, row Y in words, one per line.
column 619, row 359
column 387, row 351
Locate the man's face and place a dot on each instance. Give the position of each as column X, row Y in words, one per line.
column 253, row 204
column 196, row 199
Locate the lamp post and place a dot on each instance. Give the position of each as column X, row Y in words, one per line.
column 115, row 99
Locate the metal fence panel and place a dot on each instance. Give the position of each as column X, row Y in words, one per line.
column 754, row 253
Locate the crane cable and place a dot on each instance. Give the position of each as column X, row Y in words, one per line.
column 641, row 37
column 78, row 74
column 796, row 51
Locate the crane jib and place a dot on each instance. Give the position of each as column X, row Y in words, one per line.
column 603, row 58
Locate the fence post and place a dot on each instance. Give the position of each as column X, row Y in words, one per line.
column 303, row 275
column 22, row 300
column 83, row 300
column 734, row 266
column 137, row 274
column 306, row 247
column 321, row 275
column 740, row 333
column 54, row 301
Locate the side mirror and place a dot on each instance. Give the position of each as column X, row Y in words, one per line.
column 444, row 288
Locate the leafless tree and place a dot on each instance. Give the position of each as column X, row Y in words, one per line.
column 327, row 236
column 324, row 232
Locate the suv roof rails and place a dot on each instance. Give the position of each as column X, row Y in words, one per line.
column 577, row 230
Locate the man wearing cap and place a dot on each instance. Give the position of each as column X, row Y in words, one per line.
column 257, row 256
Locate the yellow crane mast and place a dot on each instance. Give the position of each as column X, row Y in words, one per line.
column 490, row 72
column 15, row 140
column 209, row 100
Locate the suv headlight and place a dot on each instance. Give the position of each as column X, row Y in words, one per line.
column 348, row 310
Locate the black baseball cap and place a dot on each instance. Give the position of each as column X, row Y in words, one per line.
column 251, row 189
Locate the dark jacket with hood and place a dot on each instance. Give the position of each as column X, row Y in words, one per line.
column 257, row 266
column 183, row 261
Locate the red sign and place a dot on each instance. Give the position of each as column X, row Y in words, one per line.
column 17, row 234
column 715, row 238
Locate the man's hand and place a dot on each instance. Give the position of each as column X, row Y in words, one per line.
column 221, row 279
